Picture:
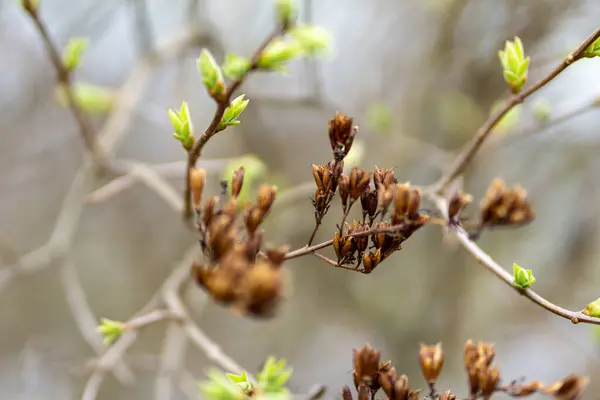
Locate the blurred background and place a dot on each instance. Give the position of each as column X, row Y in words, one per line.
column 419, row 77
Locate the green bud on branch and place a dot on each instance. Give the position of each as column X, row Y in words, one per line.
column 593, row 309
column 287, row 11
column 235, row 66
column 74, row 52
column 593, row 50
column 523, row 278
column 278, row 54
column 182, row 124
column 211, row 74
column 514, row 64
column 88, row 97
column 312, row 40
column 111, row 330
column 237, row 106
column 274, row 376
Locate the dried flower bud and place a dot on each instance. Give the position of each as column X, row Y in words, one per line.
column 261, row 291
column 209, row 210
column 361, row 242
column 569, row 388
column 371, row 260
column 505, row 206
column 266, row 197
column 237, row 181
column 346, row 393
column 414, row 202
column 403, row 391
column 525, row 390
column 344, row 246
column 447, row 396
column 366, row 367
column 341, row 135
column 385, row 196
column 318, row 172
column 359, row 181
column 197, row 178
column 344, row 184
column 384, row 177
column 230, row 208
column 379, row 238
column 364, row 393
column 457, row 204
column 253, row 217
column 431, row 359
column 251, row 247
column 221, row 235
column 277, row 256
column 368, row 202
column 488, row 381
column 401, row 197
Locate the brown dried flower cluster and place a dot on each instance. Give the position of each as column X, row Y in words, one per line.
column 505, row 205
column 387, row 196
column 237, row 273
column 370, row 375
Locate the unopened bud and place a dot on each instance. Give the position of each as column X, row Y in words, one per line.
column 197, row 179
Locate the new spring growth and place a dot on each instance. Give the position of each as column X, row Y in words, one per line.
column 514, row 64
column 274, row 375
column 111, row 330
column 91, row 98
column 231, row 114
column 286, row 11
column 234, row 67
column 593, row 50
column 211, row 74
column 593, row 309
column 73, row 52
column 278, row 54
column 313, row 40
column 522, row 278
column 182, row 123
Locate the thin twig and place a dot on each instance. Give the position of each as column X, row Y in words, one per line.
column 484, row 259
column 172, row 359
column 222, row 105
column 467, row 155
column 86, row 129
column 85, row 319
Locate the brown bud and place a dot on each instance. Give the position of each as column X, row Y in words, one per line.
column 230, row 208
column 251, row 247
column 371, row 260
column 368, row 202
column 336, row 168
column 384, row 177
column 344, row 185
column 366, row 367
column 385, row 196
column 197, row 179
column 400, row 202
column 341, row 135
column 364, row 392
column 261, row 290
column 569, row 388
column 447, row 396
column 488, row 381
column 346, row 393
column 277, row 256
column 431, row 359
column 253, row 217
column 379, row 238
column 237, row 182
column 359, row 181
column 525, row 390
column 209, row 211
column 414, row 202
column 387, row 380
column 266, row 197
column 457, row 204
column 317, row 171
column 221, row 235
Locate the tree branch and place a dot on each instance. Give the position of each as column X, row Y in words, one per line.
column 484, row 259
column 211, row 130
column 467, row 155
column 64, row 80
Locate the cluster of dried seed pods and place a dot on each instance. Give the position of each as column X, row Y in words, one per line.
column 237, row 273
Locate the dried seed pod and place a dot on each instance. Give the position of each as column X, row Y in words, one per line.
column 414, row 202
column 266, row 197
column 261, row 290
column 197, row 178
column 457, row 204
column 366, row 367
column 210, row 207
column 401, row 198
column 341, row 135
column 317, row 171
column 371, row 260
column 346, row 393
column 237, row 181
column 368, row 202
column 277, row 256
column 431, row 359
column 359, row 181
column 384, row 177
column 385, row 196
column 569, row 388
column 488, row 381
column 344, row 185
column 253, row 217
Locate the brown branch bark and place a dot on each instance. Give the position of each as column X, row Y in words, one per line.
column 467, row 155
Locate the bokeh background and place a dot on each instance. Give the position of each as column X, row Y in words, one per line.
column 419, row 76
